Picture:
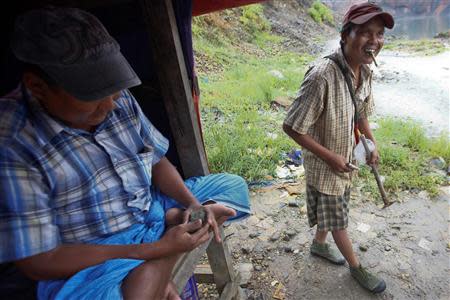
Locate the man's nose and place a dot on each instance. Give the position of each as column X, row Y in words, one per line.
column 375, row 38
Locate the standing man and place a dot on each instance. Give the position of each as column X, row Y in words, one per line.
column 323, row 119
column 91, row 207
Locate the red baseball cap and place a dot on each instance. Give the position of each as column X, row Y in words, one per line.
column 362, row 12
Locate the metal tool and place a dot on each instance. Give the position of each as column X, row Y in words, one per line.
column 376, row 174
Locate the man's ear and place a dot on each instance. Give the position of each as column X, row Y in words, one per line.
column 35, row 84
column 344, row 37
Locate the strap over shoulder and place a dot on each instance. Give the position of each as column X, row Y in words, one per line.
column 348, row 80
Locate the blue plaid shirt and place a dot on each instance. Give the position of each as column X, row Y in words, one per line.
column 64, row 185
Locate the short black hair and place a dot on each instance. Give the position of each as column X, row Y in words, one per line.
column 346, row 29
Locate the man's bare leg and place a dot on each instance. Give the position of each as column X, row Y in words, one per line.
column 174, row 216
column 171, row 292
column 345, row 246
column 321, row 236
column 150, row 280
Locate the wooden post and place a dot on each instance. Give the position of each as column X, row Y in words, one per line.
column 220, row 262
column 175, row 87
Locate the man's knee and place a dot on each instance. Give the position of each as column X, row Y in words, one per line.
column 234, row 181
column 148, row 278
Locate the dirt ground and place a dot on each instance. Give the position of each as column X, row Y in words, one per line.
column 407, row 244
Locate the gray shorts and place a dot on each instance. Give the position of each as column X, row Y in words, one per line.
column 329, row 212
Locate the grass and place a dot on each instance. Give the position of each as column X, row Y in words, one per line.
column 423, row 47
column 242, row 129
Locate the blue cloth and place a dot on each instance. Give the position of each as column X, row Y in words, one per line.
column 104, row 281
column 63, row 185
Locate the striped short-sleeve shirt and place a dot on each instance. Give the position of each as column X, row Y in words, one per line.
column 64, row 185
column 324, row 110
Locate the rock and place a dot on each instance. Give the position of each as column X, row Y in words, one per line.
column 291, row 233
column 286, row 238
column 303, row 210
column 246, row 249
column 438, row 163
column 258, row 268
column 288, row 249
column 387, row 248
column 254, row 235
column 198, row 214
column 423, row 194
column 434, row 252
column 293, row 203
column 276, row 74
column 275, row 237
column 259, row 248
column 245, row 270
column 363, row 247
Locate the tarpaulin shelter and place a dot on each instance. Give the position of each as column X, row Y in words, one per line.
column 155, row 36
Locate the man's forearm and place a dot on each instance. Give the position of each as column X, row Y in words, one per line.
column 364, row 127
column 166, row 177
column 66, row 260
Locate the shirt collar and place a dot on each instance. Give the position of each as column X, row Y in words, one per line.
column 365, row 69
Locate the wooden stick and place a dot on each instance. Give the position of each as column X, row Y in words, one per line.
column 375, row 172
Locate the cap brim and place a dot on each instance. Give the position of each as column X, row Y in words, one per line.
column 387, row 18
column 95, row 80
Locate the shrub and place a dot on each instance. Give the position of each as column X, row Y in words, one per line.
column 320, row 13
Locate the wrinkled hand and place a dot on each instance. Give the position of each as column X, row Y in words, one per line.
column 338, row 163
column 211, row 219
column 185, row 237
column 374, row 158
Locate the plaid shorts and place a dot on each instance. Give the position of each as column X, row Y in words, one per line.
column 329, row 212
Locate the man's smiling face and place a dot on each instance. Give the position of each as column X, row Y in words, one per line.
column 362, row 39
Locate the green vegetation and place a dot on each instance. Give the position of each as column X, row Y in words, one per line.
column 253, row 20
column 240, row 82
column 417, row 47
column 242, row 131
column 321, row 13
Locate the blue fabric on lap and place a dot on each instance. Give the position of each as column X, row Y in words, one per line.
column 104, row 281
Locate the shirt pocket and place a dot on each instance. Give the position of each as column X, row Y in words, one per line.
column 136, row 175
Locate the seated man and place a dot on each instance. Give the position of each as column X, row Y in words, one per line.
column 87, row 192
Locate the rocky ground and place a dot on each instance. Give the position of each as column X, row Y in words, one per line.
column 406, row 243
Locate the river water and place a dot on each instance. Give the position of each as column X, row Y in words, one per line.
column 413, row 87
column 420, row 27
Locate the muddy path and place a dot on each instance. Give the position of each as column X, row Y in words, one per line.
column 406, row 244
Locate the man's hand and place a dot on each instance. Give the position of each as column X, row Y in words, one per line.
column 179, row 239
column 216, row 215
column 374, row 158
column 338, row 163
